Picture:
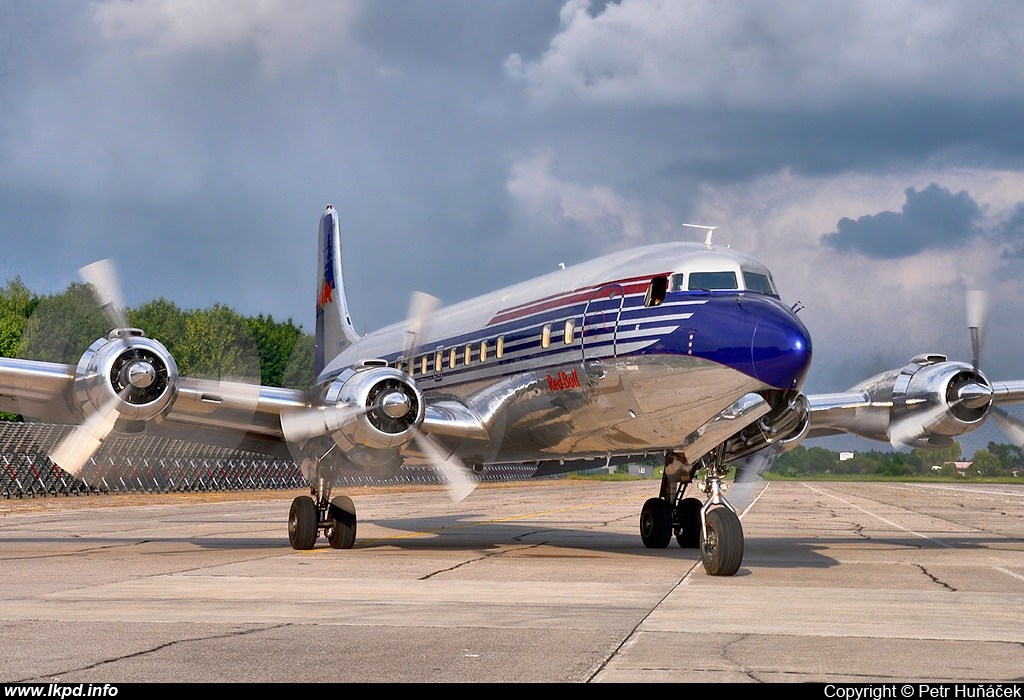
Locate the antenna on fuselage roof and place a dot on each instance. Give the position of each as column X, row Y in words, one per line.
column 709, row 229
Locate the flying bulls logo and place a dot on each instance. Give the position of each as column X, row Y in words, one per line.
column 325, row 296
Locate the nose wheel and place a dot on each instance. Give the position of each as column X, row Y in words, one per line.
column 721, row 538
column 712, row 526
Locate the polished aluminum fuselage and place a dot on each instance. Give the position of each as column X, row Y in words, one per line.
column 632, row 378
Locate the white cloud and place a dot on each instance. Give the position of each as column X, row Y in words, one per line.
column 866, row 314
column 616, row 219
column 753, row 53
column 280, row 30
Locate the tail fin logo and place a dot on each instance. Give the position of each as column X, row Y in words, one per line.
column 326, row 296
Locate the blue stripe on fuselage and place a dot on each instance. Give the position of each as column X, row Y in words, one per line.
column 753, row 334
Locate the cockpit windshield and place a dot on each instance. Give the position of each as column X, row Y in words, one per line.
column 713, row 280
column 723, row 280
column 755, row 282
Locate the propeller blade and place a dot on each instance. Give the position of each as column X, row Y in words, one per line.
column 421, row 308
column 459, row 480
column 903, row 433
column 103, row 278
column 749, row 480
column 302, row 425
column 1010, row 424
column 977, row 316
column 75, row 450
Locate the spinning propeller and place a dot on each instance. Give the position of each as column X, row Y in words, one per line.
column 125, row 380
column 975, row 394
column 390, row 401
column 74, row 451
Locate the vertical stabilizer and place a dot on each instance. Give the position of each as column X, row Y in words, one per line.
column 334, row 330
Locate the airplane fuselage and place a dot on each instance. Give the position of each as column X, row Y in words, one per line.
column 626, row 354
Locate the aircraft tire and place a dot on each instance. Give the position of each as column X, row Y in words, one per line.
column 656, row 523
column 342, row 513
column 302, row 523
column 722, row 549
column 688, row 519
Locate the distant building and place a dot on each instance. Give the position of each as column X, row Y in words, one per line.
column 641, row 470
column 843, row 456
column 962, row 466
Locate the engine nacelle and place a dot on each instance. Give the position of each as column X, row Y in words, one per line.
column 924, row 405
column 136, row 372
column 390, row 409
column 940, row 400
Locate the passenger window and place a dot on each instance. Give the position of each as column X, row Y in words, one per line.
column 438, row 360
column 398, row 365
column 570, row 332
column 499, row 347
column 483, row 351
column 423, row 365
column 452, row 357
column 545, row 336
column 468, row 355
column 656, row 291
column 713, row 280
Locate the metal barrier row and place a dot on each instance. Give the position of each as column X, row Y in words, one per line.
column 27, row 472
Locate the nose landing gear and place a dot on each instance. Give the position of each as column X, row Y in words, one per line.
column 713, row 526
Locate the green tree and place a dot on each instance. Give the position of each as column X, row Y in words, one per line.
column 988, row 464
column 63, row 326
column 217, row 344
column 275, row 342
column 1010, row 456
column 161, row 320
column 299, row 372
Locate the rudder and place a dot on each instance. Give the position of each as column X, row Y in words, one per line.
column 334, row 330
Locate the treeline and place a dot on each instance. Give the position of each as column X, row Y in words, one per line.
column 213, row 343
column 997, row 460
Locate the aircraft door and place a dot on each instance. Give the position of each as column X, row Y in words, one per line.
column 600, row 323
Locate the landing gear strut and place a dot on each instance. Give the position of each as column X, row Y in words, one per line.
column 311, row 514
column 721, row 541
column 713, row 526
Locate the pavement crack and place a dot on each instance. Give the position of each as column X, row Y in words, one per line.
column 486, row 555
column 158, row 647
column 741, row 666
column 933, row 578
column 78, row 552
column 600, row 667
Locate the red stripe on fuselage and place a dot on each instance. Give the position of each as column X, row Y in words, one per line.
column 568, row 298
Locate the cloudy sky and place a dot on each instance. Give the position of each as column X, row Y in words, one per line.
column 870, row 152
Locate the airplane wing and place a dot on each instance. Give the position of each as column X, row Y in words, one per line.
column 925, row 405
column 219, row 413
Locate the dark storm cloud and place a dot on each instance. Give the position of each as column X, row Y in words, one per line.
column 933, row 218
column 201, row 160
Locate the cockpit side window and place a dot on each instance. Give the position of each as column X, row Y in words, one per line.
column 675, row 282
column 713, row 280
column 656, row 291
column 757, row 283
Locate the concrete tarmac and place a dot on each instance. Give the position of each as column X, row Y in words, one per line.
column 544, row 581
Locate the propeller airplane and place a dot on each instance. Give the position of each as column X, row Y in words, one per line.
column 680, row 351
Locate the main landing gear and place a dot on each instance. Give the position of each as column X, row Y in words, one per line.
column 308, row 516
column 713, row 526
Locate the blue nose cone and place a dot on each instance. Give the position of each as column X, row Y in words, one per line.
column 781, row 348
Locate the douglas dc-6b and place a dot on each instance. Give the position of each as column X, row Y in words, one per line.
column 683, row 351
